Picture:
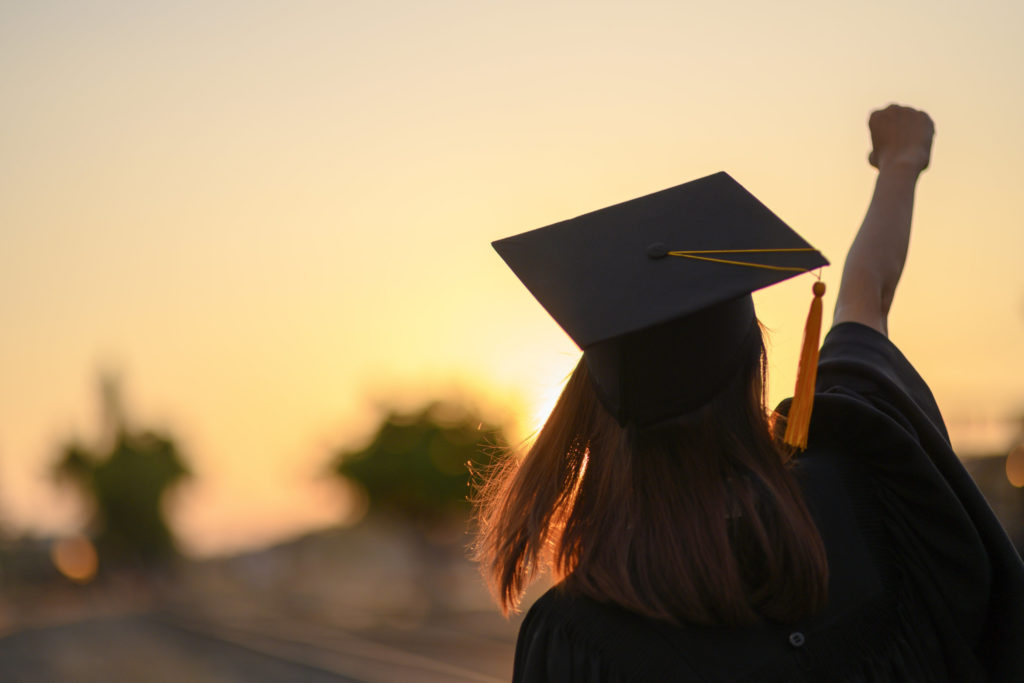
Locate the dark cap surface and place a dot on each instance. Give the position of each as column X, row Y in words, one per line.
column 656, row 290
column 609, row 272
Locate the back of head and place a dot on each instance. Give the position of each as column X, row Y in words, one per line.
column 692, row 518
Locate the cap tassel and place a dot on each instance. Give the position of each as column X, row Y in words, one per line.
column 798, row 422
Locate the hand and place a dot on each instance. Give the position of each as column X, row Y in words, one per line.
column 900, row 137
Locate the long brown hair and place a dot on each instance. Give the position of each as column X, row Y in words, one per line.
column 696, row 519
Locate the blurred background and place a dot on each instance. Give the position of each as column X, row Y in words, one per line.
column 253, row 329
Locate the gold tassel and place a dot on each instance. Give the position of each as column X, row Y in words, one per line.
column 798, row 421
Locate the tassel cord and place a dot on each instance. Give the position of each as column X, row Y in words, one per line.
column 798, row 421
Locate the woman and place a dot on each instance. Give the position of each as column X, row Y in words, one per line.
column 691, row 542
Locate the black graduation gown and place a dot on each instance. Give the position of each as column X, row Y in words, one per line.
column 924, row 584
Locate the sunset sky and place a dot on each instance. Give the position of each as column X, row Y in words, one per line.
column 271, row 219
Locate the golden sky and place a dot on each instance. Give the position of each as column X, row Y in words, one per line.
column 272, row 218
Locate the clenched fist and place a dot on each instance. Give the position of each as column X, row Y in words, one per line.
column 900, row 136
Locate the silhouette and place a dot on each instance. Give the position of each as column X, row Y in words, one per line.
column 694, row 534
column 125, row 478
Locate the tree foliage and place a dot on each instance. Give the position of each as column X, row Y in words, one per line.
column 125, row 480
column 417, row 465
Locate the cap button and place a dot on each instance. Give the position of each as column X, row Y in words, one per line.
column 657, row 250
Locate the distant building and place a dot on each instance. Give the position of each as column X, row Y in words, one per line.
column 1006, row 499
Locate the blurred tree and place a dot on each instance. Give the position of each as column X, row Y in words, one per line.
column 125, row 479
column 417, row 466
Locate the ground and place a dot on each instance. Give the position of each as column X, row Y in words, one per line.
column 375, row 603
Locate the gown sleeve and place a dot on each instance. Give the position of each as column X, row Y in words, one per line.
column 951, row 541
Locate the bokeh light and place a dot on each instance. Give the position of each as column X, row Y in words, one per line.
column 1015, row 466
column 75, row 557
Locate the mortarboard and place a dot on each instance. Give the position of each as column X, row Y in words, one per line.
column 656, row 290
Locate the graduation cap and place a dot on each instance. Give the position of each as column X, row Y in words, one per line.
column 656, row 292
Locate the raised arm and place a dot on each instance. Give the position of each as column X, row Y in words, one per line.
column 901, row 140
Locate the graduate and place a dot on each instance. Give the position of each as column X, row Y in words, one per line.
column 695, row 534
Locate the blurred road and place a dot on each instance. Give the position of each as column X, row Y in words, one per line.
column 139, row 648
column 164, row 646
column 371, row 604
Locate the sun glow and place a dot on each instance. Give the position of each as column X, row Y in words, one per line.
column 267, row 221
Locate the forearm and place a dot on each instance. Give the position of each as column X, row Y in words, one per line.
column 876, row 258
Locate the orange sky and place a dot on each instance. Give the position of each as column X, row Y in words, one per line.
column 271, row 217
